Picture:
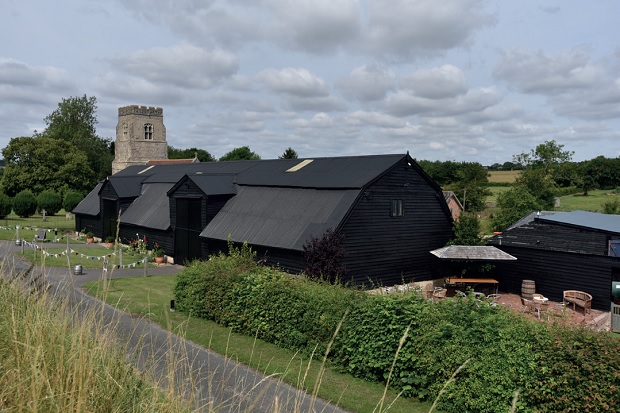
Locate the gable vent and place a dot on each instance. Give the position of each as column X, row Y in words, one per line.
column 299, row 165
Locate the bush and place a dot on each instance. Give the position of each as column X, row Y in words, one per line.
column 6, row 205
column 49, row 201
column 25, row 204
column 324, row 256
column 496, row 351
column 72, row 199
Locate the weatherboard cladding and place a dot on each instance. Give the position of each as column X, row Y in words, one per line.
column 279, row 217
column 151, row 209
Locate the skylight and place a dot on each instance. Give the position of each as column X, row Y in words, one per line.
column 299, row 165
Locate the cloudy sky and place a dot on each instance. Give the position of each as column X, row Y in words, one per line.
column 462, row 80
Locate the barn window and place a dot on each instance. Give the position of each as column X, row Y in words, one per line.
column 614, row 248
column 148, row 131
column 397, row 209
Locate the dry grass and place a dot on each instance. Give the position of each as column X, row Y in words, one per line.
column 503, row 176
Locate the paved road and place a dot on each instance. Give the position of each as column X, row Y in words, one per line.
column 217, row 382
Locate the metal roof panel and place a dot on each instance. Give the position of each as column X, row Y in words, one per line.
column 151, row 209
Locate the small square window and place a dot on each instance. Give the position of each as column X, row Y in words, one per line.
column 397, row 209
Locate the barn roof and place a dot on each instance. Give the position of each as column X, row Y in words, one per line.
column 150, row 209
column 90, row 204
column 585, row 219
column 211, row 184
column 337, row 172
column 126, row 186
column 279, row 217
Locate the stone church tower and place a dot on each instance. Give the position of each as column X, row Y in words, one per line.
column 140, row 137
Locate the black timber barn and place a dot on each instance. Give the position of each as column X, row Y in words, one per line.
column 561, row 251
column 390, row 211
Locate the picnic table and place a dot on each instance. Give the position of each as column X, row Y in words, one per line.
column 471, row 281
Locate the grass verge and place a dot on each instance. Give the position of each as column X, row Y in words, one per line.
column 150, row 298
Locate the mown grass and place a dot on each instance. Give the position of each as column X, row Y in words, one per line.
column 592, row 202
column 58, row 225
column 86, row 257
column 150, row 298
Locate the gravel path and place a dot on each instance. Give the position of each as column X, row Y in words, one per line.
column 218, row 383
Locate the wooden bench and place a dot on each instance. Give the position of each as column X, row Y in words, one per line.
column 580, row 298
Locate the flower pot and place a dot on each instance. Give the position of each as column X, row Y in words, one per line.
column 159, row 260
column 109, row 244
column 90, row 240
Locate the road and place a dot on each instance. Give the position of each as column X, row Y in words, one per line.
column 218, row 383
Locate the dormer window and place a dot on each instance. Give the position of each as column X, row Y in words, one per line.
column 148, row 131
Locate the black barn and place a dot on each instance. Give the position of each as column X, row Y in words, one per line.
column 562, row 251
column 390, row 212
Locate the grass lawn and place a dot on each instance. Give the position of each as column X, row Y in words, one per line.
column 58, row 226
column 593, row 202
column 150, row 298
column 86, row 257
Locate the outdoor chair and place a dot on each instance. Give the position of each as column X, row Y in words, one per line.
column 528, row 305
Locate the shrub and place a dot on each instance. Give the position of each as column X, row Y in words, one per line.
column 25, row 204
column 324, row 256
column 72, row 199
column 49, row 201
column 6, row 205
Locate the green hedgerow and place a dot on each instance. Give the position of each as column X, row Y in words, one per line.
column 72, row 199
column 6, row 205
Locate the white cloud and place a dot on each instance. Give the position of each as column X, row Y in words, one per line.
column 446, row 81
column 295, row 82
column 367, row 83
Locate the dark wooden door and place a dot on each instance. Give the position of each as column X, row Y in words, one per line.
column 187, row 231
column 110, row 216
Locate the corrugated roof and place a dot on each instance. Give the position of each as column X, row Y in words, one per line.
column 338, row 172
column 279, row 217
column 215, row 184
column 127, row 186
column 151, row 209
column 585, row 219
column 90, row 204
column 530, row 217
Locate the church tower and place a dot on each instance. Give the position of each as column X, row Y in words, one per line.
column 140, row 137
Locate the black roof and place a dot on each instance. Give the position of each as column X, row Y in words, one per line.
column 279, row 217
column 90, row 204
column 150, row 209
column 337, row 172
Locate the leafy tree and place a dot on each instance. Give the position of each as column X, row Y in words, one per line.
column 467, row 231
column 72, row 199
column 324, row 256
column 289, row 153
column 546, row 156
column 49, row 201
column 514, row 204
column 240, row 154
column 40, row 164
column 471, row 186
column 539, row 185
column 6, row 205
column 74, row 122
column 25, row 204
column 443, row 173
column 201, row 154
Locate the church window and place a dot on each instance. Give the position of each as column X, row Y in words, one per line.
column 148, row 131
column 125, row 127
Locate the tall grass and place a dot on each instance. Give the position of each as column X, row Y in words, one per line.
column 51, row 360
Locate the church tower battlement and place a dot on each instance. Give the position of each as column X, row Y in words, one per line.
column 140, row 137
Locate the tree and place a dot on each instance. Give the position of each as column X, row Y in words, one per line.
column 201, row 154
column 471, row 186
column 71, row 200
column 324, row 256
column 467, row 231
column 514, row 204
column 40, row 164
column 74, row 122
column 289, row 153
column 49, row 201
column 6, row 205
column 240, row 154
column 25, row 204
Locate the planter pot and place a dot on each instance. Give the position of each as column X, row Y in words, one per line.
column 109, row 244
column 159, row 260
column 90, row 240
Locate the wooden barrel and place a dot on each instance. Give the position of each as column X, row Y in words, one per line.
column 528, row 288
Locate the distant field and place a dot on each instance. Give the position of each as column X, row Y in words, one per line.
column 503, row 176
column 593, row 202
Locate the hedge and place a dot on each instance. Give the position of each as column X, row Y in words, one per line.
column 499, row 353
